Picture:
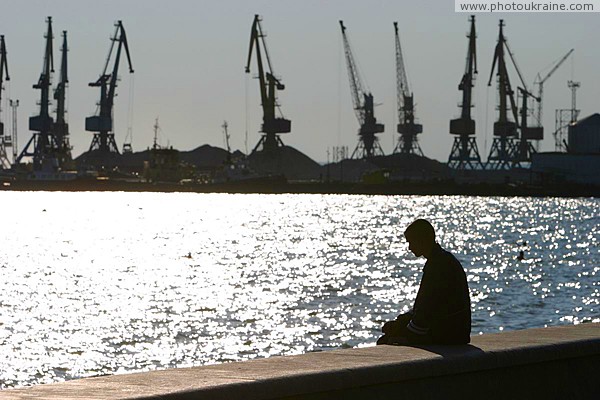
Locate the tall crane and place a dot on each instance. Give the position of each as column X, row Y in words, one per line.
column 102, row 124
column 43, row 145
column 368, row 144
column 407, row 142
column 464, row 153
column 540, row 82
column 5, row 141
column 524, row 148
column 269, row 84
column 61, row 127
column 503, row 148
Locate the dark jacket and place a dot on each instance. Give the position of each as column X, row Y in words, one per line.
column 442, row 309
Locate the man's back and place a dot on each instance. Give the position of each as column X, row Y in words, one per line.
column 443, row 303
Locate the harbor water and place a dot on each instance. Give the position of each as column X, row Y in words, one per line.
column 107, row 283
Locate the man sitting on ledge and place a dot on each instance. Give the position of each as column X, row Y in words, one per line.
column 442, row 309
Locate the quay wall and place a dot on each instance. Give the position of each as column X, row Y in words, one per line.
column 555, row 362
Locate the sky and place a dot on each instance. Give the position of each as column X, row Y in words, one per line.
column 189, row 58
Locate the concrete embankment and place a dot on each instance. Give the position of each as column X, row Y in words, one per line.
column 554, row 363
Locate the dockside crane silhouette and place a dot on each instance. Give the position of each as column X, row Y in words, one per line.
column 269, row 84
column 61, row 127
column 102, row 123
column 5, row 141
column 43, row 145
column 407, row 128
column 524, row 149
column 502, row 152
column 464, row 153
column 368, row 143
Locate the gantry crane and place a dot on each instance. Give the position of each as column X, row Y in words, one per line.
column 368, row 144
column 540, row 82
column 464, row 153
column 269, row 84
column 61, row 127
column 43, row 146
column 102, row 123
column 407, row 141
column 5, row 141
column 502, row 152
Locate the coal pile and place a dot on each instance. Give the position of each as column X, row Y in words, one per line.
column 286, row 161
column 205, row 157
column 398, row 167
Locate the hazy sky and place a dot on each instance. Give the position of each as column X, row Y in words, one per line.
column 189, row 58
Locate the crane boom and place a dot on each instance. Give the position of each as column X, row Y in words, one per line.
column 401, row 80
column 59, row 91
column 556, row 66
column 3, row 69
column 356, row 86
column 514, row 61
column 540, row 83
column 3, row 65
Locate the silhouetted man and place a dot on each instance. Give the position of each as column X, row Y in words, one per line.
column 442, row 309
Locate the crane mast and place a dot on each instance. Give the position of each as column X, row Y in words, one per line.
column 408, row 130
column 5, row 141
column 102, row 124
column 61, row 127
column 269, row 84
column 503, row 149
column 368, row 144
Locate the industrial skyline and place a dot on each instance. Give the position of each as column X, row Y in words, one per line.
column 189, row 59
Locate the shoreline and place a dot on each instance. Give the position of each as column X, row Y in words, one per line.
column 439, row 188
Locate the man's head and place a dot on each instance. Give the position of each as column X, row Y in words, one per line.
column 421, row 237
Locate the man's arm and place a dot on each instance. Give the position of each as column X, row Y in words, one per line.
column 428, row 305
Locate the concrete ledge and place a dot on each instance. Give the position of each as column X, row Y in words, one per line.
column 557, row 362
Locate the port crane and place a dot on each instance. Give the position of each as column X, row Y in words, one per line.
column 102, row 124
column 269, row 84
column 524, row 148
column 407, row 142
column 43, row 145
column 368, row 144
column 502, row 152
column 5, row 141
column 464, row 153
column 61, row 127
column 540, row 82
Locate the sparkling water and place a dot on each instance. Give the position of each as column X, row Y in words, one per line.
column 106, row 283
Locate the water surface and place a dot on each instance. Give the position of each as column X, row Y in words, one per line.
column 104, row 283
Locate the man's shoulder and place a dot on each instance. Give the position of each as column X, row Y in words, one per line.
column 445, row 258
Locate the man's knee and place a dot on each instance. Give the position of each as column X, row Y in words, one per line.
column 393, row 328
